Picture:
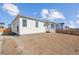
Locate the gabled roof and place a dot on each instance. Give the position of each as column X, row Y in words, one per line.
column 60, row 23
column 30, row 18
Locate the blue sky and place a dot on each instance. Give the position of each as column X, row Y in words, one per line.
column 67, row 13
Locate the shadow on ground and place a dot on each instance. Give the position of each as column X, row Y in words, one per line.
column 10, row 34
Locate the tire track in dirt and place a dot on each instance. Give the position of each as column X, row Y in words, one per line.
column 19, row 43
column 1, row 43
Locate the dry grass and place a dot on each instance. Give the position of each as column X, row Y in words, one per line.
column 45, row 44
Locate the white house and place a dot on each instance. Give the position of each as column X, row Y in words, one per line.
column 27, row 25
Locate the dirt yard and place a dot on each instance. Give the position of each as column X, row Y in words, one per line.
column 41, row 44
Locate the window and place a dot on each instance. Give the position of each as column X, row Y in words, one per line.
column 24, row 22
column 61, row 26
column 36, row 24
column 52, row 25
column 17, row 29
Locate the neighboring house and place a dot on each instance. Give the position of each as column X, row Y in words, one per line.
column 26, row 25
column 1, row 27
column 68, row 28
column 77, row 29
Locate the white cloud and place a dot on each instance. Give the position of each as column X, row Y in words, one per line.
column 77, row 21
column 11, row 9
column 51, row 14
column 44, row 13
column 56, row 14
column 71, row 22
column 77, row 15
column 72, row 26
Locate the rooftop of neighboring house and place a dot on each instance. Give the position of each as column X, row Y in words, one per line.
column 76, row 29
column 2, row 25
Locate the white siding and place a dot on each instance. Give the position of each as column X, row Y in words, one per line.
column 31, row 27
column 14, row 26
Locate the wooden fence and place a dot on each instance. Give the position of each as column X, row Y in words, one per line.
column 71, row 32
column 1, row 29
column 7, row 31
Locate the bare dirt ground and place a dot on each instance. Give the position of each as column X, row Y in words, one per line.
column 41, row 44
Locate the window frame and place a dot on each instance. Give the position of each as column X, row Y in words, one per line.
column 52, row 25
column 24, row 22
column 36, row 24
